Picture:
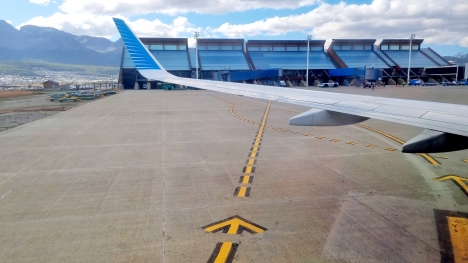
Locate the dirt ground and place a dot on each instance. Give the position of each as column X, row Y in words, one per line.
column 18, row 107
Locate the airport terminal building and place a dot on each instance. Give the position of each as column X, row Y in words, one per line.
column 284, row 62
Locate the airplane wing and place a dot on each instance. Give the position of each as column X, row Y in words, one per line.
column 446, row 124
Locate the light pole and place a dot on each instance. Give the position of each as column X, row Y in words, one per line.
column 196, row 36
column 307, row 65
column 409, row 57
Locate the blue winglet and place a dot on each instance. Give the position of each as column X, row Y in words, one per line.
column 140, row 55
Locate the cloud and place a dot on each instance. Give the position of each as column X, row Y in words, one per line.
column 174, row 7
column 380, row 19
column 103, row 25
column 40, row 2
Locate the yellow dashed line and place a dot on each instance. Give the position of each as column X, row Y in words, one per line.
column 352, row 143
column 466, row 161
column 391, row 149
column 441, row 157
column 424, row 155
column 369, row 146
column 320, row 137
column 251, row 161
column 334, row 140
column 242, row 191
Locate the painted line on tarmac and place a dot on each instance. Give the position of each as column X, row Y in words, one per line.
column 452, row 230
column 249, row 168
column 426, row 156
column 223, row 253
column 234, row 225
column 461, row 182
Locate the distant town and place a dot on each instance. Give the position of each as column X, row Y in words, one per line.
column 62, row 77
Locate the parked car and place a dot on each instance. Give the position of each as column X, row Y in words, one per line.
column 328, row 85
column 448, row 83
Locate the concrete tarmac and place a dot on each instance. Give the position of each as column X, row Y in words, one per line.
column 194, row 176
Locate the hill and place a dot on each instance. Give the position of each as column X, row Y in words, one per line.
column 52, row 45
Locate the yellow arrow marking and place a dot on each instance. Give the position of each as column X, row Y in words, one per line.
column 457, row 179
column 223, row 252
column 234, row 225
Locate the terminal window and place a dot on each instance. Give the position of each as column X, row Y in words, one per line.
column 302, row 48
column 316, row 48
column 202, row 47
column 237, row 47
column 336, row 47
column 384, row 47
column 266, row 49
column 291, row 48
column 253, row 48
column 346, row 47
column 170, row 47
column 415, row 47
column 226, row 47
column 358, row 47
column 394, row 47
column 404, row 47
column 156, row 47
column 182, row 47
column 213, row 47
column 367, row 47
column 279, row 48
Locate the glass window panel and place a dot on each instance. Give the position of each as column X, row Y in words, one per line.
column 147, row 47
column 266, row 48
column 253, row 48
column 202, row 47
column 279, row 48
column 358, row 47
column 336, row 47
column 213, row 47
column 170, row 47
column 238, row 47
column 367, row 47
column 226, row 47
column 156, row 47
column 291, row 48
column 415, row 47
column 316, row 48
column 302, row 48
column 394, row 47
column 182, row 47
column 384, row 47
column 404, row 47
column 346, row 47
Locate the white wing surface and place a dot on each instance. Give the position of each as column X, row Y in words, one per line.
column 450, row 121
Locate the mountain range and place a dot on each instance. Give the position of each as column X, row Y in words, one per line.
column 460, row 58
column 52, row 45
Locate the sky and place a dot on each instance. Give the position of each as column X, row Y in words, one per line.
column 443, row 24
